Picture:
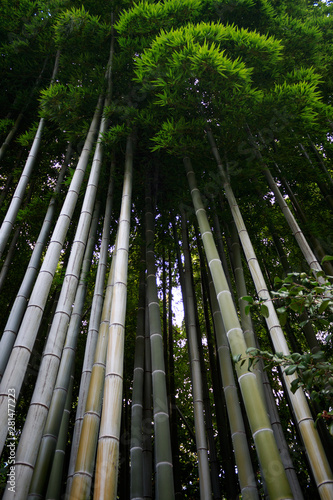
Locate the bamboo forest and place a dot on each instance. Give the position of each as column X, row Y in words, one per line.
column 166, row 249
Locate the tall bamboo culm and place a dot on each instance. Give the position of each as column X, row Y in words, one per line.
column 79, row 482
column 245, row 470
column 197, row 390
column 93, row 329
column 267, row 451
column 314, row 448
column 164, row 487
column 22, row 297
column 51, row 430
column 41, row 399
column 109, row 434
column 17, row 364
column 261, row 374
column 136, row 452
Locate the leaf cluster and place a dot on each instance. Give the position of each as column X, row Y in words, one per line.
column 312, row 372
column 301, row 292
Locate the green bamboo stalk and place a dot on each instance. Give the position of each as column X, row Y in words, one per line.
column 261, row 374
column 10, row 217
column 51, row 430
column 109, row 434
column 197, row 390
column 22, row 297
column 18, row 361
column 317, row 458
column 136, row 471
column 55, row 482
column 93, row 329
column 228, row 464
column 245, row 471
column 164, row 488
column 268, row 454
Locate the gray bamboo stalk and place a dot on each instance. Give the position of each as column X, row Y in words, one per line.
column 263, row 380
column 51, row 430
column 14, row 376
column 219, row 399
column 315, row 243
column 94, row 323
column 17, row 199
column 55, row 481
column 317, row 458
column 22, row 297
column 109, row 434
column 51, row 359
column 79, row 483
column 98, row 293
column 9, row 257
column 296, row 230
column 136, row 471
column 267, row 451
column 147, row 415
column 197, row 390
column 164, row 487
column 41, row 399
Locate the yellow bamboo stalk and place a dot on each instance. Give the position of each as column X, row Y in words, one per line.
column 80, row 483
column 109, row 435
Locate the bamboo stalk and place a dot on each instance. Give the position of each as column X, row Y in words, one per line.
column 164, row 487
column 22, row 297
column 136, row 452
column 147, row 417
column 51, row 430
column 55, row 482
column 18, row 361
column 81, row 480
column 262, row 433
column 92, row 336
column 197, row 390
column 262, row 376
column 317, row 458
column 109, row 435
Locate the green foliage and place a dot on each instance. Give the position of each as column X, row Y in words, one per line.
column 313, row 372
column 76, row 30
column 27, row 137
column 301, row 292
